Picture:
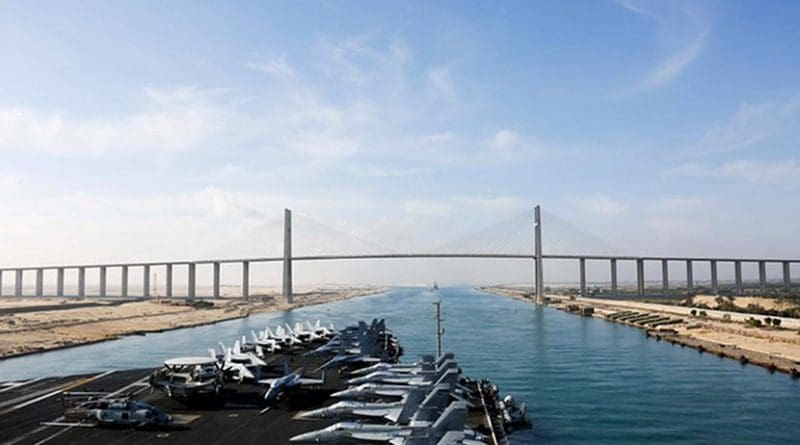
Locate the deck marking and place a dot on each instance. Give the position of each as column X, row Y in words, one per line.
column 13, row 385
column 63, row 388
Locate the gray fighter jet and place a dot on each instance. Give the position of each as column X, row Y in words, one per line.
column 373, row 390
column 290, row 380
column 427, row 362
column 416, row 405
column 406, row 378
column 416, row 433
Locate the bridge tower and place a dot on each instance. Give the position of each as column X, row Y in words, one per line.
column 539, row 273
column 287, row 255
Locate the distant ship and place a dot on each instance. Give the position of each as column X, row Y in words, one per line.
column 435, row 286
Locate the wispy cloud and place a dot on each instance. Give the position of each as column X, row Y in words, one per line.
column 600, row 204
column 750, row 170
column 682, row 29
column 275, row 66
column 750, row 124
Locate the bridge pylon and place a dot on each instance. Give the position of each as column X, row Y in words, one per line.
column 287, row 255
column 539, row 273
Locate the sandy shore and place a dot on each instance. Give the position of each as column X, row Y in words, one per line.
column 49, row 327
column 774, row 344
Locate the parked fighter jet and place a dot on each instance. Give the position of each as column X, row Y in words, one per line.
column 417, row 404
column 426, row 363
column 416, row 375
column 262, row 344
column 320, row 330
column 283, row 337
column 417, row 433
column 290, row 380
column 373, row 390
column 238, row 365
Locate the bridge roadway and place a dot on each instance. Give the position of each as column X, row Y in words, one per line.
column 245, row 263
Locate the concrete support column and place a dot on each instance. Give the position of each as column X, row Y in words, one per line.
column 103, row 281
column 689, row 275
column 737, row 272
column 60, row 282
column 762, row 275
column 787, row 275
column 81, row 281
column 246, row 282
column 216, row 280
column 168, row 282
column 537, row 233
column 18, row 283
column 146, row 281
column 1, row 283
column 582, row 262
column 640, row 276
column 614, row 277
column 39, row 282
column 191, row 284
column 665, row 276
column 287, row 255
column 124, row 284
column 714, row 281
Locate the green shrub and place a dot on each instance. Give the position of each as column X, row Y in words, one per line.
column 693, row 312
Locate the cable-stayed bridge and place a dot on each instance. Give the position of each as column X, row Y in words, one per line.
column 519, row 237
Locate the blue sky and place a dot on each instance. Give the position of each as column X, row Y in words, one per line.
column 143, row 129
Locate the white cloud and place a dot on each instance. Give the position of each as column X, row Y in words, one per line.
column 600, row 204
column 176, row 122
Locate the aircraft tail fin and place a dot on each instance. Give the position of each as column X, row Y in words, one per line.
column 412, row 402
column 433, row 404
column 452, row 419
column 237, row 347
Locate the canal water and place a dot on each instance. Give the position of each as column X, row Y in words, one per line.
column 587, row 381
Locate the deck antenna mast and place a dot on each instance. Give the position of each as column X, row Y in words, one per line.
column 437, row 314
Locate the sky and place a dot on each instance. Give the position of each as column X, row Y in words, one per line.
column 181, row 130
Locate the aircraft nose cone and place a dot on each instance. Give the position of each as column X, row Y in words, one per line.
column 304, row 438
column 308, row 415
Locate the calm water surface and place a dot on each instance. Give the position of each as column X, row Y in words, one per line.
column 587, row 381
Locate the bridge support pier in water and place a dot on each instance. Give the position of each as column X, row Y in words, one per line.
column 582, row 263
